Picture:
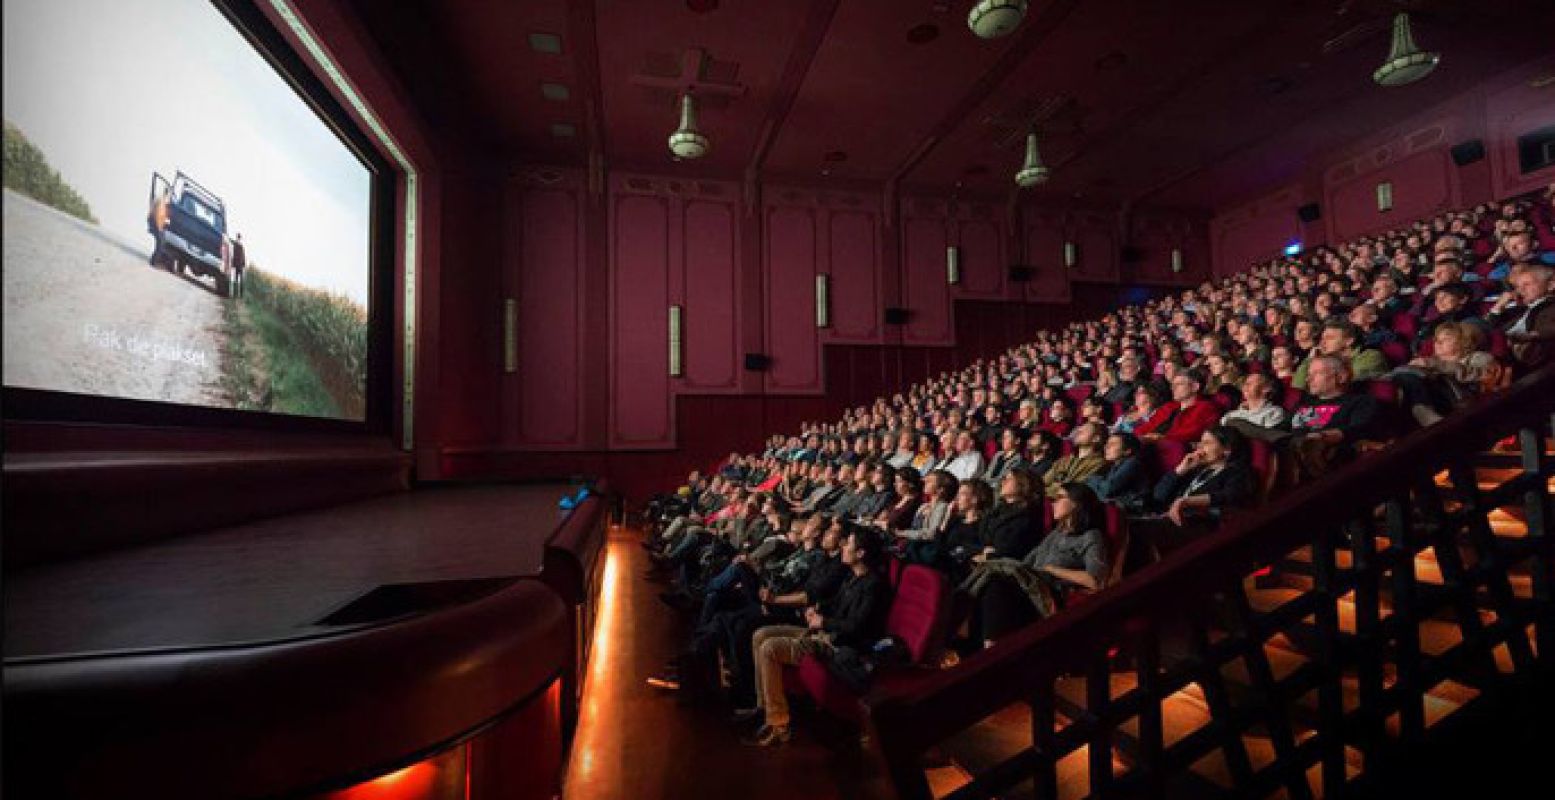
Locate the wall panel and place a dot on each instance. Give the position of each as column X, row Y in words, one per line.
column 1042, row 237
column 640, row 404
column 984, row 265
column 924, row 291
column 711, row 326
column 853, row 262
column 790, row 300
column 547, row 283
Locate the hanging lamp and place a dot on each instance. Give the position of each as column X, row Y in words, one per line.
column 1033, row 171
column 1406, row 62
column 991, row 19
column 687, row 142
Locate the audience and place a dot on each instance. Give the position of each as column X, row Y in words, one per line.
column 776, row 552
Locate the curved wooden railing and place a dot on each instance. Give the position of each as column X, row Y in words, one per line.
column 1180, row 622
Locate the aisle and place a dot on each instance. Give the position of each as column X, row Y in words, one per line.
column 636, row 742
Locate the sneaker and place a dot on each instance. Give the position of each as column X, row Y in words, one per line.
column 769, row 736
column 665, row 682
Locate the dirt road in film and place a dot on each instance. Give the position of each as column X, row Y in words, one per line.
column 85, row 313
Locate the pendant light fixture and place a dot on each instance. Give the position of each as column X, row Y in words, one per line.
column 1406, row 62
column 1032, row 172
column 991, row 19
column 687, row 142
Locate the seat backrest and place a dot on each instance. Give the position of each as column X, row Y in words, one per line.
column 1292, row 399
column 1167, row 455
column 1405, row 325
column 918, row 610
column 1265, row 463
column 1080, row 393
column 1117, row 543
column 1385, row 391
column 1395, row 352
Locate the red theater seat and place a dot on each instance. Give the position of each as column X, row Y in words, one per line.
column 1405, row 325
column 1395, row 352
column 917, row 617
column 1292, row 399
column 1081, row 393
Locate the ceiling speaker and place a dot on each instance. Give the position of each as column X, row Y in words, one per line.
column 1021, row 274
column 757, row 362
column 896, row 316
column 1129, row 254
column 1309, row 212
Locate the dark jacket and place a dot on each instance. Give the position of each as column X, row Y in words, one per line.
column 1011, row 531
column 855, row 616
column 1231, row 487
column 825, row 579
column 1122, row 482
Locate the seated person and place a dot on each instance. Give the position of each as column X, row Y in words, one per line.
column 826, row 491
column 882, row 477
column 1045, row 448
column 1330, row 419
column 1451, row 304
column 964, row 531
column 1368, row 320
column 909, row 494
column 1012, row 593
column 1008, row 458
column 967, row 464
column 1341, row 338
column 1060, row 418
column 1386, row 299
column 919, row 540
column 1454, row 373
column 1085, row 461
column 1146, row 399
column 1012, row 527
column 1259, row 410
column 1209, row 481
column 854, row 617
column 1186, row 417
column 1517, row 247
column 1526, row 315
column 1124, row 480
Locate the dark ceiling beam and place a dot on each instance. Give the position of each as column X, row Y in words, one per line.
column 806, row 45
column 583, row 41
column 1032, row 33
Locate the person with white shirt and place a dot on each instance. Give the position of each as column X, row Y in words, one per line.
column 1258, row 408
column 968, row 461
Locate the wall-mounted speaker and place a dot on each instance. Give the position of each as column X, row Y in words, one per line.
column 1129, row 254
column 1021, row 274
column 896, row 316
column 757, row 362
column 1466, row 153
column 1309, row 212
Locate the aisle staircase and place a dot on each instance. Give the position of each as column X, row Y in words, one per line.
column 1317, row 648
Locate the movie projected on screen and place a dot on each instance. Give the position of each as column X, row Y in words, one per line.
column 180, row 225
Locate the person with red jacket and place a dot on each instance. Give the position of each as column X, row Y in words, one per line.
column 1186, row 417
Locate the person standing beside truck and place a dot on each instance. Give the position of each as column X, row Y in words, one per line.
column 239, row 263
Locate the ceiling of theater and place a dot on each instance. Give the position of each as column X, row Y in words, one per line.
column 1189, row 102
